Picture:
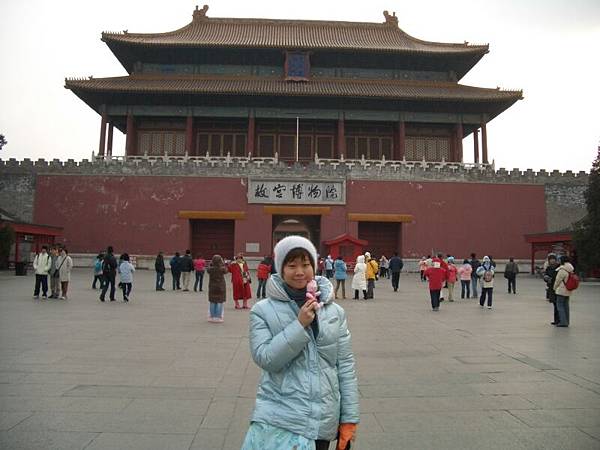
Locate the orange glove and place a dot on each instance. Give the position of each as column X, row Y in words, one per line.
column 347, row 432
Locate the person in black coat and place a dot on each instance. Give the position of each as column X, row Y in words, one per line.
column 550, row 278
column 175, row 264
column 109, row 273
column 474, row 262
column 395, row 266
column 159, row 266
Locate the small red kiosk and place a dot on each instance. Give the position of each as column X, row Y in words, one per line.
column 347, row 246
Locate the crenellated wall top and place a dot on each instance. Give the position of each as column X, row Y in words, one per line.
column 231, row 167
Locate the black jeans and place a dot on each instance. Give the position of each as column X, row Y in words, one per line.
column 97, row 278
column 160, row 280
column 261, row 291
column 395, row 280
column 512, row 284
column 435, row 298
column 356, row 292
column 465, row 288
column 126, row 287
column 199, row 280
column 176, row 279
column 486, row 292
column 43, row 281
column 108, row 279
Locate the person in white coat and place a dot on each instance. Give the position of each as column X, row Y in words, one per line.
column 359, row 281
column 64, row 264
column 41, row 265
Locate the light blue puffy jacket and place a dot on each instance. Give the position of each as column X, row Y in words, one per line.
column 307, row 386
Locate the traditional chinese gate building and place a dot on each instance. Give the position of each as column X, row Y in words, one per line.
column 247, row 92
column 238, row 127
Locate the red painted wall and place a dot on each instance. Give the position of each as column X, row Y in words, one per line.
column 134, row 214
column 139, row 214
column 456, row 218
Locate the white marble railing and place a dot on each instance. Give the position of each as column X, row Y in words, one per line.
column 258, row 161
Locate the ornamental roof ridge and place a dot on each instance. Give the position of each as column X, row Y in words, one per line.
column 290, row 33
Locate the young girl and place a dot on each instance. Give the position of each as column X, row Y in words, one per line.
column 299, row 338
column 216, row 288
column 126, row 270
column 98, row 271
column 240, row 281
column 465, row 278
column 486, row 273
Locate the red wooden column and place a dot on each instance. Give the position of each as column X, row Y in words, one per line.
column 250, row 138
column 458, row 148
column 476, row 146
column 102, row 135
column 341, row 138
column 401, row 141
column 484, row 147
column 189, row 134
column 130, row 138
column 110, row 139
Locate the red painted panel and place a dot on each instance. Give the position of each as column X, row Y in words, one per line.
column 139, row 214
column 456, row 218
column 134, row 214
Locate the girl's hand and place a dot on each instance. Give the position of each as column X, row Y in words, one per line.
column 307, row 313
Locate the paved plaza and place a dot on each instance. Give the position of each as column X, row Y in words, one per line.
column 154, row 374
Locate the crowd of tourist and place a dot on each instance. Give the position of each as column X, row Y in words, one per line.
column 441, row 273
column 284, row 326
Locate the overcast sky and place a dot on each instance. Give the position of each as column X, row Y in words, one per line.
column 550, row 49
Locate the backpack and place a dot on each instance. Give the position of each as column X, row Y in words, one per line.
column 98, row 266
column 488, row 276
column 572, row 282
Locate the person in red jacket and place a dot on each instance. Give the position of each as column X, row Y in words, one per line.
column 439, row 257
column 262, row 273
column 240, row 280
column 451, row 277
column 436, row 276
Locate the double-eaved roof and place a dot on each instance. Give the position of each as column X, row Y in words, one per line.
column 276, row 86
column 291, row 34
column 206, row 37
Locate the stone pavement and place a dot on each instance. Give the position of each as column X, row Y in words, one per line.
column 153, row 374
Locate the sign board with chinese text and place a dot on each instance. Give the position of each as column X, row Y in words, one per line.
column 297, row 191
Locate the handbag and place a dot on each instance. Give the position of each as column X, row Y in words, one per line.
column 56, row 273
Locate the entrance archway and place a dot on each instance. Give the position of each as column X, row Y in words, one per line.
column 306, row 226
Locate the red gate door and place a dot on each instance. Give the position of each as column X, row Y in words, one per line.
column 211, row 237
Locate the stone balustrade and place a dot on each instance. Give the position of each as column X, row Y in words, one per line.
column 228, row 166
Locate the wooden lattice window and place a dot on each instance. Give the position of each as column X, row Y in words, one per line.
column 266, row 145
